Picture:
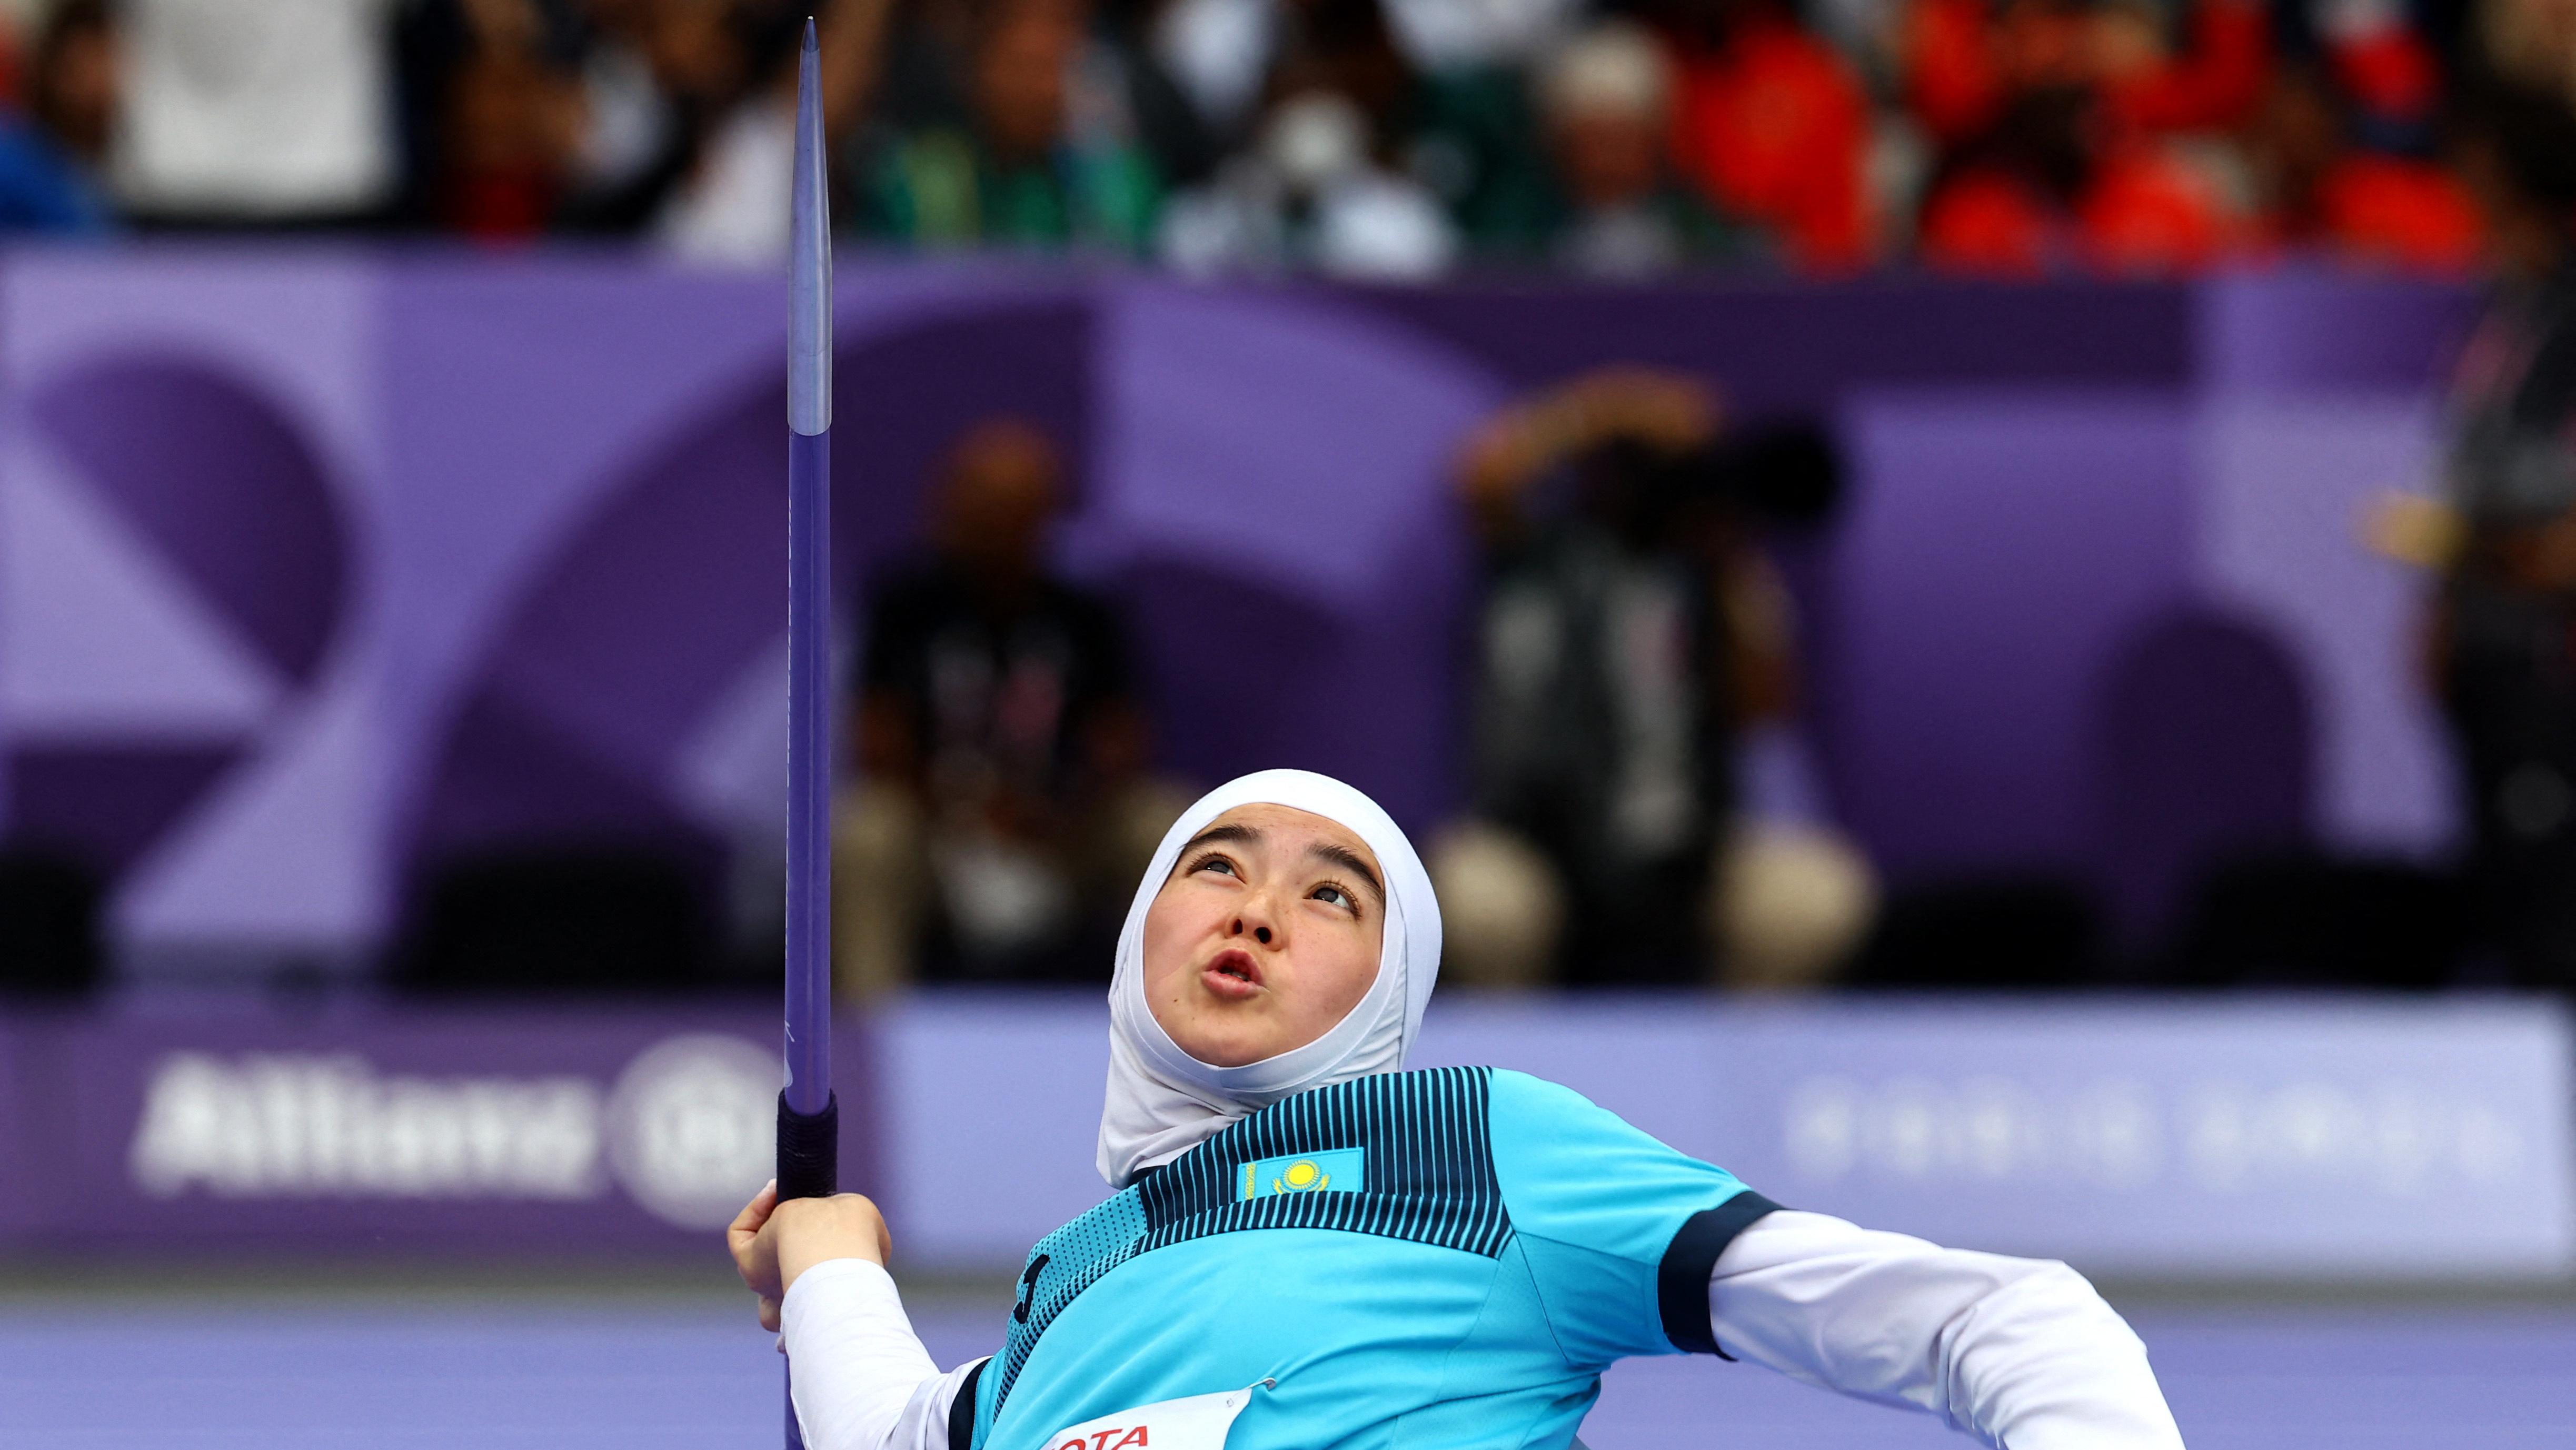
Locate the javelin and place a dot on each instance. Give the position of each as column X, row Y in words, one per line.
column 809, row 1116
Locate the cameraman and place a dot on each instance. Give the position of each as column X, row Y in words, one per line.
column 1633, row 646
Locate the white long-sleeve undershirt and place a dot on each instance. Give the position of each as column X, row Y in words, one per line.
column 2020, row 1353
column 857, row 1374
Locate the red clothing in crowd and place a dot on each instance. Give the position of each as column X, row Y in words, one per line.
column 1774, row 126
column 2148, row 215
column 1988, row 222
column 1953, row 74
column 2389, row 71
column 2214, row 82
column 499, row 205
column 2389, row 210
column 2142, row 215
column 1962, row 66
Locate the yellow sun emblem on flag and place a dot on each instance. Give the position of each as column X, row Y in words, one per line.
column 1324, row 1170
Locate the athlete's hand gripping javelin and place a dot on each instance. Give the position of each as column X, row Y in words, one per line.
column 774, row 1243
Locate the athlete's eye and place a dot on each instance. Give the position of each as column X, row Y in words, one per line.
column 1332, row 895
column 1216, row 863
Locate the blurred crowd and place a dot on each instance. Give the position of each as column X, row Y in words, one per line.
column 1383, row 139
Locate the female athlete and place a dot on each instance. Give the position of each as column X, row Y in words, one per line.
column 1310, row 1246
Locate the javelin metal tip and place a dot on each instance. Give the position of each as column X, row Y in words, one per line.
column 809, row 366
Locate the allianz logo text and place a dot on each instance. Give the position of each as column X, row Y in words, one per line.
column 685, row 1130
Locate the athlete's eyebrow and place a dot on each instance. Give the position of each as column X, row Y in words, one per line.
column 1230, row 832
column 1349, row 860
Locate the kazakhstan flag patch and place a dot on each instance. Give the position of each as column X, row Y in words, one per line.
column 1337, row 1170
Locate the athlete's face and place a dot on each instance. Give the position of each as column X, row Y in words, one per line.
column 1266, row 934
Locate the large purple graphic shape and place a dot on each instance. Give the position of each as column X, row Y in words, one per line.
column 223, row 485
column 651, row 611
column 226, row 489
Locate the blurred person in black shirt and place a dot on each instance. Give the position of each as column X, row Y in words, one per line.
column 1002, row 753
column 1632, row 638
column 2502, row 630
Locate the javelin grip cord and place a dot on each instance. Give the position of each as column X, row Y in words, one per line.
column 809, row 1166
column 809, row 1150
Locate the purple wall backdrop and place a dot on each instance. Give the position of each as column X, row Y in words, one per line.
column 316, row 565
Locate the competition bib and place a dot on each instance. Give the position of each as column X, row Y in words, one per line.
column 1199, row 1422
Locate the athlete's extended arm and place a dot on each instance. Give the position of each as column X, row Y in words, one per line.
column 2021, row 1353
column 862, row 1381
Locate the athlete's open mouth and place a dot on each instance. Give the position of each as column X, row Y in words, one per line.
column 1233, row 972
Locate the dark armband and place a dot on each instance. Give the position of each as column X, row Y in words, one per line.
column 961, row 1410
column 1681, row 1281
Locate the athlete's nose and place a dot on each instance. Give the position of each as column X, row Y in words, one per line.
column 1258, row 919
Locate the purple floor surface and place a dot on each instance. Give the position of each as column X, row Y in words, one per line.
column 643, row 1377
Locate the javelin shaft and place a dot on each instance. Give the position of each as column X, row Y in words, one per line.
column 808, row 1114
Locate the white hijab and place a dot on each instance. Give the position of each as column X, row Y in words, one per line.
column 1164, row 1102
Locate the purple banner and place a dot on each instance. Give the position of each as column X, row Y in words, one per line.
column 2253, row 1139
column 481, row 1131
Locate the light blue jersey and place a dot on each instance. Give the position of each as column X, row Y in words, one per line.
column 1441, row 1259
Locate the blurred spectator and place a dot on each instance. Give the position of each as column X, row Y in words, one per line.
column 492, row 113
column 1774, row 125
column 1001, row 748
column 278, row 113
column 627, row 123
column 2530, row 45
column 1631, row 636
column 2502, row 630
column 1218, row 53
column 2213, row 82
column 1451, row 36
column 1123, row 92
column 2383, row 64
column 732, row 70
column 1358, row 160
column 1014, row 171
column 1614, row 209
column 681, row 123
column 1311, row 195
column 2318, row 191
column 50, row 154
